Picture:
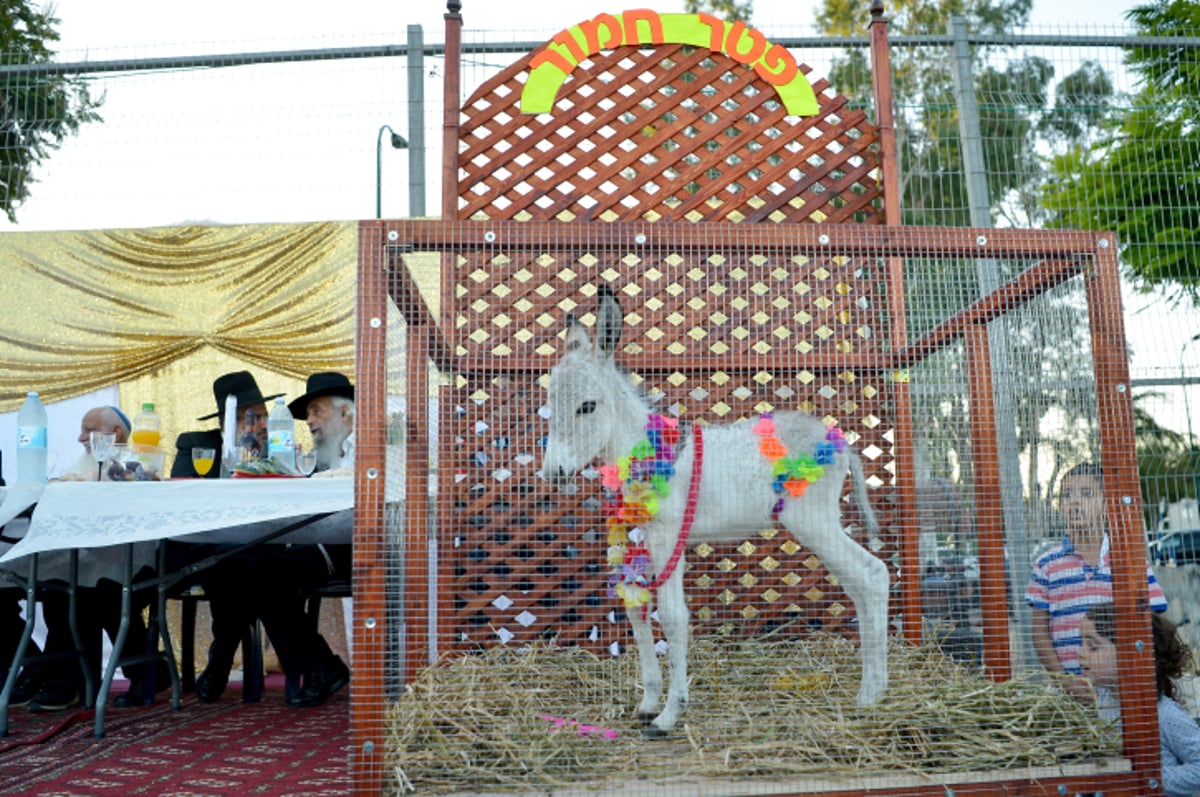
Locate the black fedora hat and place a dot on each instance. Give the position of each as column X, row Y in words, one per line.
column 242, row 386
column 323, row 384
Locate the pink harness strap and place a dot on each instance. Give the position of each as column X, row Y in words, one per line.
column 689, row 516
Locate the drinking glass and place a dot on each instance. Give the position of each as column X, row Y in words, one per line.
column 202, row 460
column 306, row 460
column 103, row 446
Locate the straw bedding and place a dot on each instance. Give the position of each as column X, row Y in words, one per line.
column 547, row 718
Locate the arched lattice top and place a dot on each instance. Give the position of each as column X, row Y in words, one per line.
column 674, row 133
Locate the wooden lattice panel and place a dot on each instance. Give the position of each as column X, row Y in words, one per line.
column 691, row 305
column 529, row 558
column 721, row 332
column 671, row 133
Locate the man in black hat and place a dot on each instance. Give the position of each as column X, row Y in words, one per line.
column 231, row 611
column 251, row 423
column 272, row 582
column 328, row 407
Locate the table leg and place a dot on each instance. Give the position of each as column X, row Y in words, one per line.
column 119, row 642
column 19, row 658
column 89, row 681
column 164, row 630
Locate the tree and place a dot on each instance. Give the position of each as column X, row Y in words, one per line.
column 1139, row 180
column 1023, row 115
column 37, row 112
column 1016, row 117
column 729, row 10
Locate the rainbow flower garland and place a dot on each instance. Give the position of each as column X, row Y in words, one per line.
column 794, row 474
column 635, row 487
column 637, row 483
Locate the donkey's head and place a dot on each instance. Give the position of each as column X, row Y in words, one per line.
column 586, row 394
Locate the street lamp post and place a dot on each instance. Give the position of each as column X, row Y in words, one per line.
column 1187, row 412
column 398, row 142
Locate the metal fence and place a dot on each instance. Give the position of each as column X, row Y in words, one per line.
column 305, row 135
column 298, row 135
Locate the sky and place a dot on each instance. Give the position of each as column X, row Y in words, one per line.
column 193, row 130
column 139, row 22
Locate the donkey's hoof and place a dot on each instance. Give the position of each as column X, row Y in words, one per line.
column 654, row 732
column 645, row 718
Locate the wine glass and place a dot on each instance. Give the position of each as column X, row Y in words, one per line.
column 103, row 445
column 202, row 460
column 306, row 460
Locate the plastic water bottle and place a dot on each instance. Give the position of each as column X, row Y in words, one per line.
column 281, row 436
column 31, row 440
column 146, row 430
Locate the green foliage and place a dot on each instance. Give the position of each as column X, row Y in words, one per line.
column 36, row 111
column 1137, row 180
column 1016, row 115
column 1021, row 112
column 728, row 10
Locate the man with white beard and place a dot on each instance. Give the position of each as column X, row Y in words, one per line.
column 97, row 419
column 272, row 581
column 328, row 407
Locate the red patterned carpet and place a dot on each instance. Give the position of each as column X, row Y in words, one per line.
column 226, row 748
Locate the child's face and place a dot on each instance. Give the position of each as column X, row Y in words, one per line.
column 1081, row 502
column 1098, row 657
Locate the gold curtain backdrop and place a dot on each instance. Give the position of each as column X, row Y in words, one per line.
column 162, row 311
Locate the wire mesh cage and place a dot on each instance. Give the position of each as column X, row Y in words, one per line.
column 587, row 305
column 970, row 369
column 520, row 572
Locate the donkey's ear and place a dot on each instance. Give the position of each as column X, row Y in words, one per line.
column 609, row 320
column 577, row 336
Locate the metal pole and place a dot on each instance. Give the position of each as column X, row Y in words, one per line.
column 398, row 142
column 416, row 121
column 1016, row 533
column 1187, row 411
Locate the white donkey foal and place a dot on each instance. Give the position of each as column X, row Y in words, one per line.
column 747, row 480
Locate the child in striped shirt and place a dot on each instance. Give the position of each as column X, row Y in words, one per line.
column 1074, row 575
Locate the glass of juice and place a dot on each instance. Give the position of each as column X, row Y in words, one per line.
column 202, row 460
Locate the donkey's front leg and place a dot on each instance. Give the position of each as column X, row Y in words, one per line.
column 652, row 681
column 673, row 615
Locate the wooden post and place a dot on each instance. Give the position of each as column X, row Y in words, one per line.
column 368, row 693
column 1123, row 505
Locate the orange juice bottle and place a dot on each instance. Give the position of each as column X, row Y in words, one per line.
column 145, row 435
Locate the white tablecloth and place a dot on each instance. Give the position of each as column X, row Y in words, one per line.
column 101, row 517
column 16, row 499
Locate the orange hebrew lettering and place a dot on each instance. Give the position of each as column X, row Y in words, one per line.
column 591, row 33
column 553, row 57
column 777, row 67
column 567, row 40
column 717, row 26
column 650, row 20
column 772, row 62
column 737, row 33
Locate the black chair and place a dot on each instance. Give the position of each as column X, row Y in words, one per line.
column 189, row 598
column 335, row 588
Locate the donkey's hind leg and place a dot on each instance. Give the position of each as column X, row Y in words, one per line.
column 652, row 680
column 863, row 576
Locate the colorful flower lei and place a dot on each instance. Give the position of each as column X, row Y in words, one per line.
column 793, row 474
column 636, row 485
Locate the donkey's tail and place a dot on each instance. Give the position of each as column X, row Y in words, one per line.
column 861, row 497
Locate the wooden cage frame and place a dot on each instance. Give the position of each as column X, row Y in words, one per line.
column 487, row 220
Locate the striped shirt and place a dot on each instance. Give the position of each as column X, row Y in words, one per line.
column 1065, row 585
